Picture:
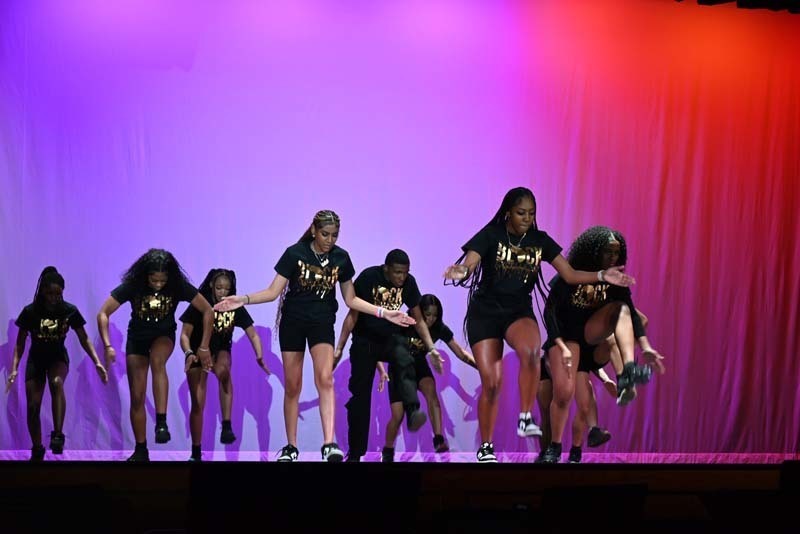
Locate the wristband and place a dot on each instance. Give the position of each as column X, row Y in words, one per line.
column 600, row 276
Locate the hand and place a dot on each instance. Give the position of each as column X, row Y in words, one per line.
column 382, row 379
column 456, row 272
column 654, row 360
column 10, row 381
column 337, row 357
column 110, row 355
column 399, row 318
column 436, row 360
column 260, row 362
column 566, row 357
column 611, row 387
column 231, row 302
column 205, row 359
column 190, row 359
column 614, row 275
column 101, row 371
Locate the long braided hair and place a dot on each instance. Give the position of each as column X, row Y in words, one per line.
column 321, row 218
column 473, row 281
column 48, row 276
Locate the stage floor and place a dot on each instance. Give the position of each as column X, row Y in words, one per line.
column 243, row 496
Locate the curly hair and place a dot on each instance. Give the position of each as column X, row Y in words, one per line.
column 586, row 252
column 157, row 260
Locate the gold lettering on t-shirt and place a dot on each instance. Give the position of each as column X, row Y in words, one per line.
column 589, row 296
column 320, row 280
column 153, row 307
column 223, row 321
column 389, row 298
column 52, row 329
column 517, row 262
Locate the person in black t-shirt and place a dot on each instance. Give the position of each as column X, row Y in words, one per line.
column 588, row 320
column 431, row 308
column 305, row 281
column 389, row 286
column 154, row 285
column 501, row 267
column 218, row 284
column 48, row 320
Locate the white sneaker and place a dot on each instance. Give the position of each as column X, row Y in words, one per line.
column 288, row 454
column 486, row 453
column 332, row 453
column 526, row 428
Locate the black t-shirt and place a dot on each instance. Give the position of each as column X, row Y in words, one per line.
column 568, row 307
column 152, row 312
column 48, row 330
column 224, row 323
column 439, row 332
column 509, row 264
column 312, row 282
column 373, row 287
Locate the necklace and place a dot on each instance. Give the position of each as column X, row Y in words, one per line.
column 508, row 236
column 321, row 258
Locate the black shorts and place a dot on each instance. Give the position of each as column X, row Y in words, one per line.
column 37, row 366
column 483, row 323
column 586, row 364
column 293, row 334
column 422, row 370
column 142, row 345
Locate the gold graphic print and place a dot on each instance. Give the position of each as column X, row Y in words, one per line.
column 518, row 262
column 389, row 298
column 416, row 345
column 52, row 329
column 153, row 307
column 589, row 296
column 320, row 280
column 223, row 321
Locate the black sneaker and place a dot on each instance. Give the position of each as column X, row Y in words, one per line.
column 227, row 436
column 626, row 395
column 332, row 453
column 56, row 442
column 415, row 419
column 598, row 436
column 288, row 454
column 439, row 444
column 486, row 453
column 37, row 453
column 387, row 455
column 552, row 454
column 574, row 455
column 139, row 455
column 353, row 458
column 197, row 459
column 162, row 433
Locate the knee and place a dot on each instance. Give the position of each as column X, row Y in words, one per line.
column 34, row 408
column 137, row 400
column 293, row 388
column 224, row 373
column 492, row 391
column 57, row 384
column 324, row 380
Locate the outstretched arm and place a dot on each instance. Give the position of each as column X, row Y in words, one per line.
column 355, row 303
column 347, row 327
column 463, row 270
column 19, row 348
column 89, row 349
column 109, row 306
column 203, row 351
column 462, row 354
column 425, row 336
column 269, row 294
column 613, row 275
column 255, row 341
